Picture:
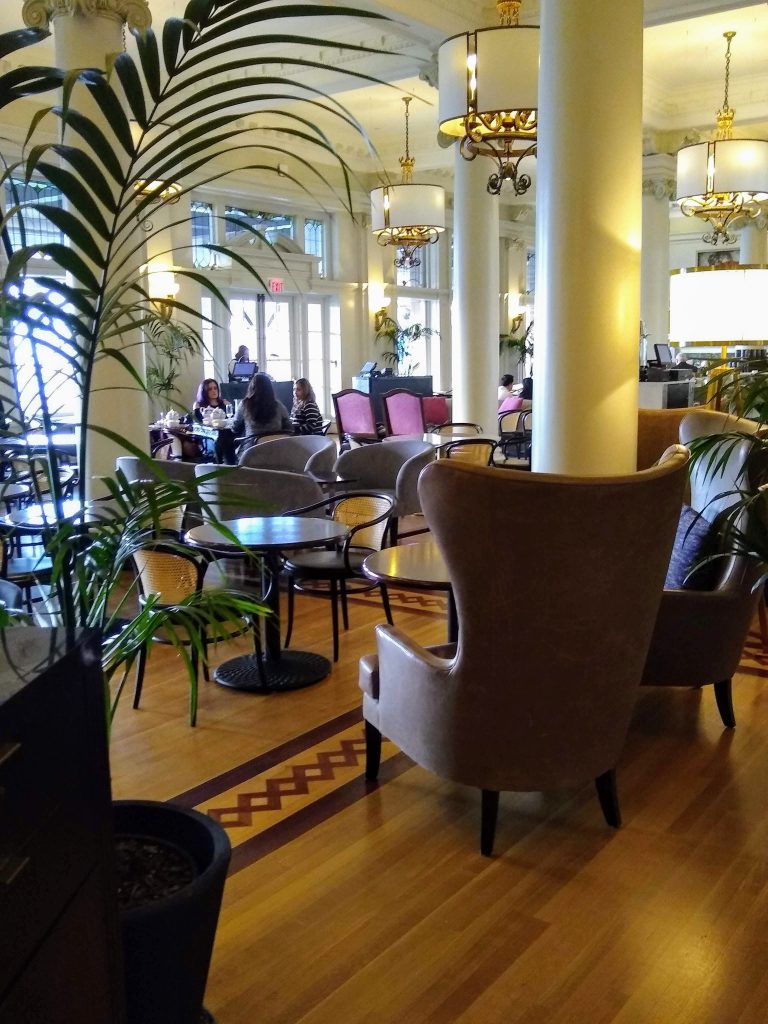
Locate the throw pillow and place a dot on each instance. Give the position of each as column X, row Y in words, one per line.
column 694, row 540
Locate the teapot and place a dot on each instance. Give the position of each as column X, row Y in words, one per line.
column 171, row 418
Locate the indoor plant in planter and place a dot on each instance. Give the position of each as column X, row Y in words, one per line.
column 399, row 356
column 97, row 313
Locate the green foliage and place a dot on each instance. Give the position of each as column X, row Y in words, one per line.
column 520, row 345
column 744, row 525
column 401, row 340
column 168, row 116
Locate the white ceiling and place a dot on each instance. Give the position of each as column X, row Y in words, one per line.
column 683, row 81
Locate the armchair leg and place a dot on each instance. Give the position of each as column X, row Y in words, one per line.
column 193, row 691
column 372, row 752
column 385, row 602
column 393, row 532
column 724, row 698
column 206, row 673
column 489, row 812
column 609, row 798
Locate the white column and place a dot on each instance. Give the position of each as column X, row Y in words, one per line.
column 475, row 313
column 589, row 182
column 658, row 189
column 753, row 242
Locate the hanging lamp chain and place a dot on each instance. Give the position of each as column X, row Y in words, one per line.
column 508, row 11
column 407, row 162
column 726, row 114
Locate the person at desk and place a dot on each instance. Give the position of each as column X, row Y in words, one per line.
column 241, row 356
column 305, row 414
column 681, row 363
column 260, row 412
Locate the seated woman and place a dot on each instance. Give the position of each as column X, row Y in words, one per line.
column 260, row 412
column 305, row 414
column 207, row 397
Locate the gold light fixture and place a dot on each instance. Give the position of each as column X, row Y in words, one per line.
column 489, row 94
column 724, row 180
column 408, row 216
column 145, row 188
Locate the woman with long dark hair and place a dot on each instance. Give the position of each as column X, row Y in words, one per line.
column 305, row 414
column 207, row 397
column 260, row 412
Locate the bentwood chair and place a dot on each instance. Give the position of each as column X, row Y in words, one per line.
column 578, row 611
column 458, row 429
column 170, row 575
column 367, row 516
column 478, row 451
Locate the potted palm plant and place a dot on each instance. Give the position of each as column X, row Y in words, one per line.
column 401, row 340
column 117, row 137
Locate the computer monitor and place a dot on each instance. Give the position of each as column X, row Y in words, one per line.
column 663, row 355
column 367, row 369
column 243, row 371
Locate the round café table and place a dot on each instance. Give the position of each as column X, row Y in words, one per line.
column 268, row 536
column 417, row 567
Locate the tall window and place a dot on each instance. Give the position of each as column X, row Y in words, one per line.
column 206, row 330
column 202, row 233
column 38, row 230
column 271, row 225
column 530, row 271
column 424, row 352
column 277, row 338
column 44, row 342
column 314, row 242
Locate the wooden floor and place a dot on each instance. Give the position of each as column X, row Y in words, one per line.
column 356, row 905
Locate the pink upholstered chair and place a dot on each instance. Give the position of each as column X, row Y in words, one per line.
column 576, row 611
column 436, row 410
column 354, row 415
column 403, row 413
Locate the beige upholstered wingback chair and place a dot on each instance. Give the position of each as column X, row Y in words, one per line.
column 699, row 634
column 539, row 690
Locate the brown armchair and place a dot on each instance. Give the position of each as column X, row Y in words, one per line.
column 699, row 634
column 576, row 604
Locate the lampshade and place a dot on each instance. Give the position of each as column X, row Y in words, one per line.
column 719, row 305
column 489, row 85
column 407, row 216
column 726, row 179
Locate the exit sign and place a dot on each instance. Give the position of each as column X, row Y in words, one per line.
column 275, row 285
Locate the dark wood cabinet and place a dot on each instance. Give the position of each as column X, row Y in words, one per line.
column 59, row 952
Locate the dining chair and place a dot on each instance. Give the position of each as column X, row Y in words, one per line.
column 355, row 419
column 512, row 434
column 578, row 610
column 302, row 453
column 393, row 469
column 403, row 413
column 170, row 575
column 455, row 429
column 367, row 516
column 437, row 411
column 478, row 451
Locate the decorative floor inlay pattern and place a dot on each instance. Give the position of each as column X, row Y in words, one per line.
column 420, row 602
column 283, row 793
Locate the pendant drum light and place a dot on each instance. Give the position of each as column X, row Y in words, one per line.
column 407, row 216
column 489, row 94
column 725, row 180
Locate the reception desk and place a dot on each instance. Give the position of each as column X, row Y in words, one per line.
column 378, row 386
column 666, row 394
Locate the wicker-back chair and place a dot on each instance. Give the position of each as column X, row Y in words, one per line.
column 367, row 516
column 476, row 450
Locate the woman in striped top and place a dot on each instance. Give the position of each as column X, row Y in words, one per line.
column 305, row 415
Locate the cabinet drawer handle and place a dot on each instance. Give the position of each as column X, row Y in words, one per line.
column 8, row 750
column 11, row 868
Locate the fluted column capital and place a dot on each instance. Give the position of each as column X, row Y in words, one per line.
column 133, row 13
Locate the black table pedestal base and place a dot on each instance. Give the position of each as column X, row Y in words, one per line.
column 294, row 670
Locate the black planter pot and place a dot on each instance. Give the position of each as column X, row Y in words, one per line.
column 167, row 945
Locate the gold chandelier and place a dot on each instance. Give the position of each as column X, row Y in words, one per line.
column 489, row 85
column 408, row 216
column 724, row 180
